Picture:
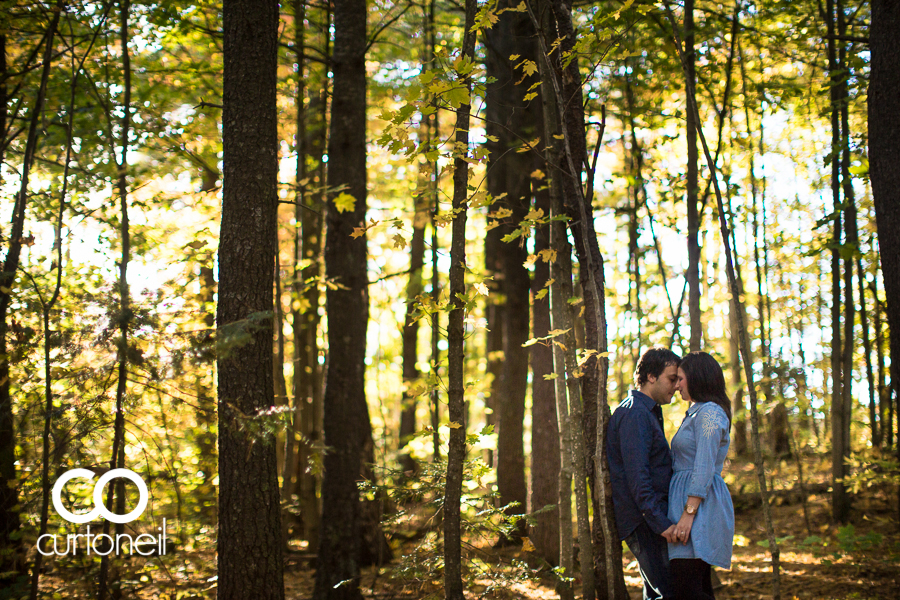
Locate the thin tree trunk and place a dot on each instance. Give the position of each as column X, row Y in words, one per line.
column 117, row 460
column 299, row 363
column 11, row 559
column 456, row 453
column 249, row 507
column 435, row 272
column 410, row 336
column 742, row 330
column 840, row 498
column 693, row 216
column 874, row 423
column 545, row 437
column 307, row 264
column 566, row 86
column 885, row 407
column 46, row 307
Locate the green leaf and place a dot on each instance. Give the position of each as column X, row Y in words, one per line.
column 345, row 202
column 457, row 96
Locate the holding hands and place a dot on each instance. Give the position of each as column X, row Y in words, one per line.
column 681, row 531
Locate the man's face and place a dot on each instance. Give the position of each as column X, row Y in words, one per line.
column 662, row 388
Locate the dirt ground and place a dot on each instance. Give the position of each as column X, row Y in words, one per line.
column 861, row 561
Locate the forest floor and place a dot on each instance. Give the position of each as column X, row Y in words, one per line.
column 861, row 560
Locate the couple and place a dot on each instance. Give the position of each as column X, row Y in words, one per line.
column 678, row 519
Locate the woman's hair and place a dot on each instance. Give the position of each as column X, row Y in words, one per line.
column 705, row 380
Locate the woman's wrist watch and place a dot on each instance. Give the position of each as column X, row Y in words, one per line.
column 691, row 510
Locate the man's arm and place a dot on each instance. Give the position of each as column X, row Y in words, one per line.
column 636, row 437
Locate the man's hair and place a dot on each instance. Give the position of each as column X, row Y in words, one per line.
column 652, row 363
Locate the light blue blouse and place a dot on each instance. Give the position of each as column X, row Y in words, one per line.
column 699, row 448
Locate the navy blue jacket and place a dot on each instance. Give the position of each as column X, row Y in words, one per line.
column 640, row 465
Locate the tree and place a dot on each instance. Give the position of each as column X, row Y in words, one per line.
column 10, row 540
column 693, row 216
column 509, row 119
column 884, row 156
column 346, row 424
column 249, row 507
column 456, row 408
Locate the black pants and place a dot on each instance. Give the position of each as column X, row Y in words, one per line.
column 691, row 579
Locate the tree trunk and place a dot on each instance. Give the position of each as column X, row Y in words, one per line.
column 350, row 531
column 46, row 307
column 693, row 243
column 566, row 84
column 307, row 260
column 874, row 423
column 11, row 558
column 840, row 499
column 117, row 460
column 249, row 509
column 410, row 336
column 545, row 438
column 884, row 158
column 456, row 405
column 507, row 119
column 885, row 406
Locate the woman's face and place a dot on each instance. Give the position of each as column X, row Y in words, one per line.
column 681, row 385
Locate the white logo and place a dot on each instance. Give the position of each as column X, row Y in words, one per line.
column 99, row 508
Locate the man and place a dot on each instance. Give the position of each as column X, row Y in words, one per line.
column 640, row 465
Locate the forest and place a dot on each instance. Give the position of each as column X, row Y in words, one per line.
column 334, row 299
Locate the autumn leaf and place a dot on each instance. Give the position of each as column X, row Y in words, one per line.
column 454, row 425
column 344, row 202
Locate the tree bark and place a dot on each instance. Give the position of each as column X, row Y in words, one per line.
column 456, row 405
column 350, row 530
column 693, row 242
column 508, row 117
column 410, row 336
column 884, row 158
column 545, row 437
column 565, row 81
column 249, row 508
column 840, row 503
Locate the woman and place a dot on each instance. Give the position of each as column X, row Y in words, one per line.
column 699, row 501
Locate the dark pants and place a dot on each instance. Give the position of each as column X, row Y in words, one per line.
column 652, row 553
column 691, row 579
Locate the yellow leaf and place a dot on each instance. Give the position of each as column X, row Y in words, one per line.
column 547, row 255
column 537, row 174
column 535, row 214
column 529, row 66
column 345, row 202
column 500, row 213
column 399, row 241
column 453, row 425
column 481, row 289
column 5, row 289
column 527, row 546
